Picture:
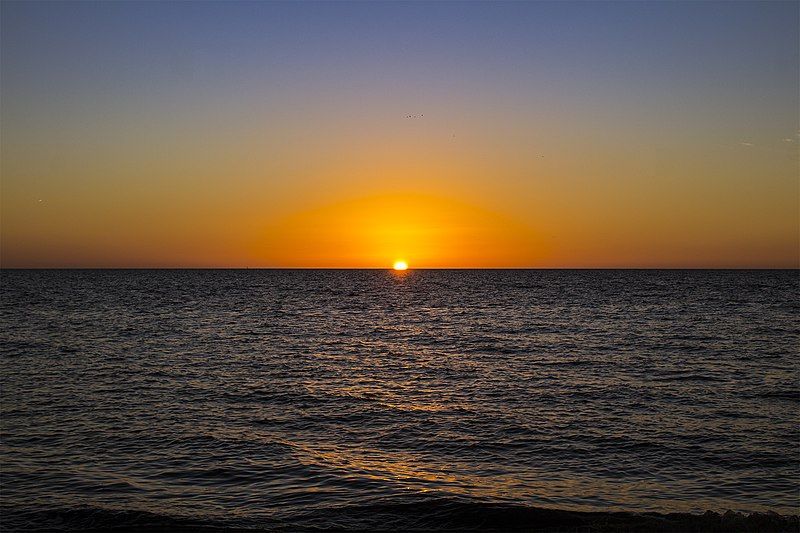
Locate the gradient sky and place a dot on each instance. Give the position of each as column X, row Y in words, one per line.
column 259, row 134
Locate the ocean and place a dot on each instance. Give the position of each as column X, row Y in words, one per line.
column 372, row 399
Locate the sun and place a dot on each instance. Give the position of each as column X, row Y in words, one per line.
column 400, row 265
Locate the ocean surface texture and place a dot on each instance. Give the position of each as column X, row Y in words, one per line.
column 369, row 398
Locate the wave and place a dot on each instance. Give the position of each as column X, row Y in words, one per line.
column 95, row 519
column 780, row 394
column 443, row 514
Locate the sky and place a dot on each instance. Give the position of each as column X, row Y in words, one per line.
column 355, row 134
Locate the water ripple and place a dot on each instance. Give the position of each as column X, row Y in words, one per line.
column 297, row 399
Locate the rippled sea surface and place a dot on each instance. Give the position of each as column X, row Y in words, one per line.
column 252, row 398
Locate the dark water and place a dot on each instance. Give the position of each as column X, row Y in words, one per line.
column 375, row 399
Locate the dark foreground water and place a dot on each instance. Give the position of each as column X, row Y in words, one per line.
column 370, row 399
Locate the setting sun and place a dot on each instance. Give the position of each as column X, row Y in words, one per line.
column 400, row 265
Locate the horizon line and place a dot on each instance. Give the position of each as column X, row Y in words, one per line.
column 392, row 269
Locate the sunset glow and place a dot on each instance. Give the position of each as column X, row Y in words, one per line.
column 400, row 265
column 284, row 145
column 365, row 232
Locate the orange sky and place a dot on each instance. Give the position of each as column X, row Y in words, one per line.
column 265, row 135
